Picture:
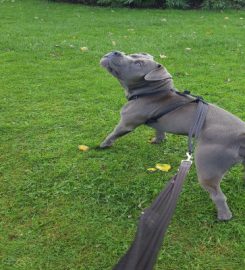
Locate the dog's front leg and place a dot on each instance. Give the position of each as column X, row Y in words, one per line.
column 121, row 129
column 159, row 137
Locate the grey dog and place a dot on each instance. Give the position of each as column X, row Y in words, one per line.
column 148, row 87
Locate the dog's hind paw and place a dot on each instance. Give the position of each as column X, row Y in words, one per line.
column 105, row 145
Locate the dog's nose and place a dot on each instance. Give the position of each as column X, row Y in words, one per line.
column 113, row 54
column 116, row 53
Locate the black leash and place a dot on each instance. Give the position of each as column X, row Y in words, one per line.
column 154, row 221
column 201, row 113
column 153, row 225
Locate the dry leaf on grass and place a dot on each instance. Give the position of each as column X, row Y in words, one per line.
column 83, row 148
column 151, row 170
column 163, row 167
column 162, row 56
column 84, row 49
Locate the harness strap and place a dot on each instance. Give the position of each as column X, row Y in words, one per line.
column 171, row 109
column 174, row 107
column 200, row 116
column 145, row 95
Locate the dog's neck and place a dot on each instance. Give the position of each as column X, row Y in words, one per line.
column 148, row 87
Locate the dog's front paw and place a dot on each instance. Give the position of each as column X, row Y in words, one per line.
column 105, row 145
column 224, row 216
column 156, row 140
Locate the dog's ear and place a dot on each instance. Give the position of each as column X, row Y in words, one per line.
column 158, row 74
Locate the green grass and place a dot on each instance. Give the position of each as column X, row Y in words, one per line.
column 64, row 209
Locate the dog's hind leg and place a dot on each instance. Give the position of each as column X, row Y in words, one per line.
column 212, row 185
column 242, row 151
column 243, row 170
column 212, row 162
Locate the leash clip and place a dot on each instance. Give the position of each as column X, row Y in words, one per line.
column 189, row 157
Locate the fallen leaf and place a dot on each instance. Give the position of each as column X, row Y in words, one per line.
column 151, row 170
column 113, row 43
column 163, row 167
column 163, row 56
column 83, row 148
column 84, row 49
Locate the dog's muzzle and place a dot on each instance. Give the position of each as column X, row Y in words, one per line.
column 105, row 61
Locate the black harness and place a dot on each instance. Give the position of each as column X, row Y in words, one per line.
column 144, row 95
column 201, row 113
column 186, row 93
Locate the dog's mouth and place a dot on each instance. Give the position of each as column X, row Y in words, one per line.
column 108, row 63
column 105, row 62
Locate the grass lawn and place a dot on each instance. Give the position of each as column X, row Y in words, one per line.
column 64, row 209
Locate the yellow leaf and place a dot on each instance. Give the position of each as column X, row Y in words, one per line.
column 83, row 147
column 163, row 167
column 163, row 56
column 151, row 169
column 84, row 49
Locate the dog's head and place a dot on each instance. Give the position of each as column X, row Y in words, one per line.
column 134, row 70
